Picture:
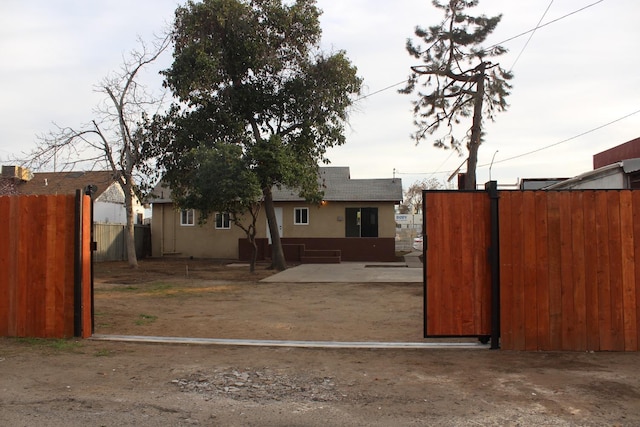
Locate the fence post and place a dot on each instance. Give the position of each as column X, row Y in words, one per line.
column 491, row 188
column 77, row 255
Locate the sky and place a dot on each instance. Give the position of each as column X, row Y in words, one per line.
column 576, row 89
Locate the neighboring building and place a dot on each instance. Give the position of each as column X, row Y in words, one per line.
column 355, row 222
column 628, row 150
column 538, row 183
column 108, row 199
column 620, row 175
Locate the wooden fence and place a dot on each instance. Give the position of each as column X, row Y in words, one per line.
column 45, row 265
column 568, row 267
column 570, row 270
column 458, row 295
column 110, row 242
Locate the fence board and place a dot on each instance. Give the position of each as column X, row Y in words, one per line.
column 615, row 263
column 5, row 266
column 506, row 271
column 529, row 270
column 604, row 287
column 636, row 233
column 591, row 271
column 566, row 274
column 542, row 271
column 578, row 262
column 555, row 269
column 628, row 272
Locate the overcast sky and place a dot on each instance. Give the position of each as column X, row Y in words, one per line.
column 574, row 76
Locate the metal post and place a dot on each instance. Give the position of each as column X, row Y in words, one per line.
column 494, row 258
column 90, row 190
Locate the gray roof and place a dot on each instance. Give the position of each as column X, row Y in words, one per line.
column 336, row 183
column 338, row 186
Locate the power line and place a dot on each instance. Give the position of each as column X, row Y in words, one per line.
column 530, row 36
column 533, row 30
column 545, row 24
column 382, row 90
column 564, row 140
column 537, row 150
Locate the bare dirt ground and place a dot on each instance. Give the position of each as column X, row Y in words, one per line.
column 81, row 383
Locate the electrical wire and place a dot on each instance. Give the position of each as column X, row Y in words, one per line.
column 537, row 150
column 531, row 36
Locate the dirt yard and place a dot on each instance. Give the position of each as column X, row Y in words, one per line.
column 80, row 383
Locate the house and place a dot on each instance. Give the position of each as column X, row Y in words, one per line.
column 617, row 176
column 354, row 222
column 616, row 168
column 108, row 199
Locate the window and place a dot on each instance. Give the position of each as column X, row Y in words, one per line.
column 187, row 217
column 222, row 220
column 301, row 216
column 361, row 222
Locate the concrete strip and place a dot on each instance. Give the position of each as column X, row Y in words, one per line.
column 297, row 344
column 389, row 272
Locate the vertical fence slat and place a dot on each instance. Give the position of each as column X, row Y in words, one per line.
column 615, row 261
column 636, row 237
column 591, row 271
column 506, row 271
column 50, row 275
column 628, row 272
column 87, row 328
column 528, row 237
column 566, row 273
column 604, row 287
column 555, row 283
column 578, row 255
column 540, row 229
column 6, row 266
column 69, row 272
column 37, row 268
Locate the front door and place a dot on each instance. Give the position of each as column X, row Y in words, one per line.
column 278, row 212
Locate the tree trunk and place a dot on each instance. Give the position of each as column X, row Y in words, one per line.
column 254, row 254
column 476, row 132
column 129, row 236
column 277, row 254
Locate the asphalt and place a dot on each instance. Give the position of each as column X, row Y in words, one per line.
column 409, row 271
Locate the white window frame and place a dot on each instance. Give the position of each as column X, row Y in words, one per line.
column 295, row 216
column 190, row 217
column 225, row 225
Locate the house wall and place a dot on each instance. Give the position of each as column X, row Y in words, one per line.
column 198, row 241
column 328, row 220
column 205, row 241
column 109, row 208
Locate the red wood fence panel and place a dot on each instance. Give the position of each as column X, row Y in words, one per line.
column 569, row 270
column 37, row 242
column 458, row 285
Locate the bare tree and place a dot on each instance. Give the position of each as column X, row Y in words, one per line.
column 413, row 195
column 114, row 139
